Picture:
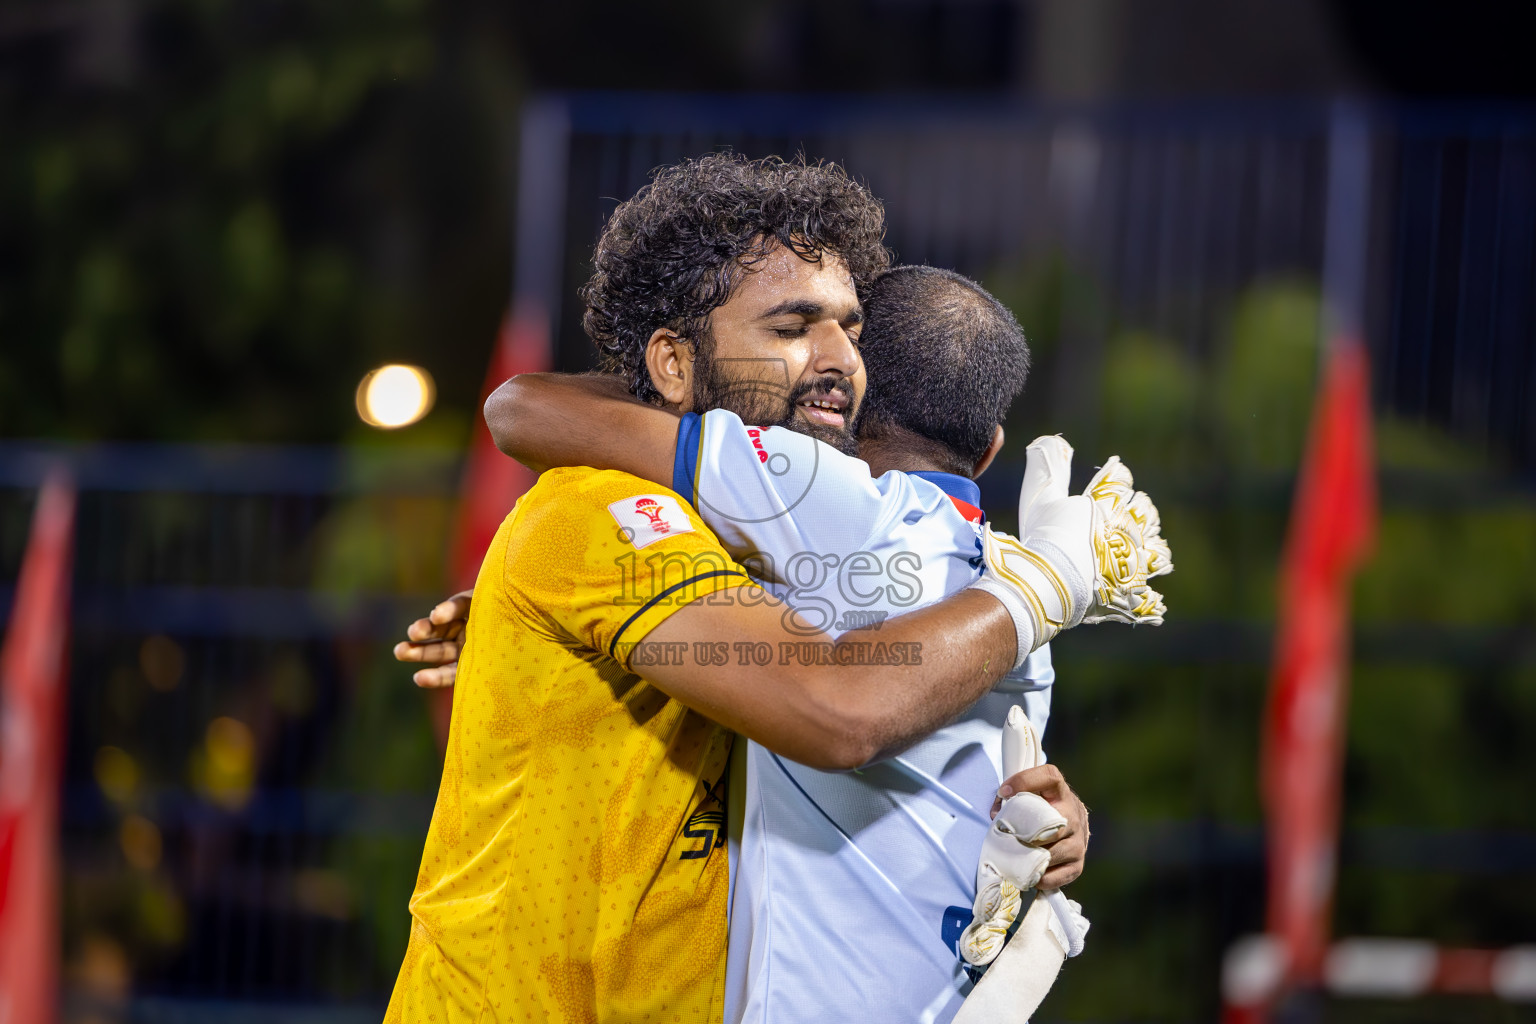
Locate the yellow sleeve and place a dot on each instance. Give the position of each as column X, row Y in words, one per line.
column 603, row 558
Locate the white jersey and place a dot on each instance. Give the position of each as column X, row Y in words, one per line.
column 849, row 890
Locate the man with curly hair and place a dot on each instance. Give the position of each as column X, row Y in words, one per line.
column 574, row 869
column 671, row 259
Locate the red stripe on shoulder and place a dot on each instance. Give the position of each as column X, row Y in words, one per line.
column 968, row 510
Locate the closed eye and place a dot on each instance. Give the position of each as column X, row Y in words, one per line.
column 853, row 325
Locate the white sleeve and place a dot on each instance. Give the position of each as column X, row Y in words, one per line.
column 774, row 493
column 1031, row 683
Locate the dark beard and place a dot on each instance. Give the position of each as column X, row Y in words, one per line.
column 763, row 403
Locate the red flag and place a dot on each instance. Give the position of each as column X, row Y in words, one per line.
column 31, row 748
column 1332, row 526
column 492, row 481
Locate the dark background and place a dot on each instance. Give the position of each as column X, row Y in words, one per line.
column 248, row 204
column 215, row 217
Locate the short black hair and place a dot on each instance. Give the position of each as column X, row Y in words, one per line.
column 675, row 251
column 944, row 358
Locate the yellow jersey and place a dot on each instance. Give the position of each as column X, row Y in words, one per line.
column 575, row 869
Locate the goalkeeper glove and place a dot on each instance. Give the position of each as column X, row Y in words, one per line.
column 1082, row 558
column 1046, row 929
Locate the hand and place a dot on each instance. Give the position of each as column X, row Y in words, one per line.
column 1070, row 847
column 436, row 641
column 1078, row 558
column 1129, row 544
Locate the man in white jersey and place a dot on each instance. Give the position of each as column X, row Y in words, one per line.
column 887, row 855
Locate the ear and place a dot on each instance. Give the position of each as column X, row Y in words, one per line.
column 990, row 454
column 670, row 362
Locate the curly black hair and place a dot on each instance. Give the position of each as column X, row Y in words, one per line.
column 676, row 250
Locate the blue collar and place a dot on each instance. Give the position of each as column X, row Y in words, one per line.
column 954, row 485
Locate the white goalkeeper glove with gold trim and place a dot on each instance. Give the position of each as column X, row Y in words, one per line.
column 1082, row 558
column 1013, row 859
column 1046, row 928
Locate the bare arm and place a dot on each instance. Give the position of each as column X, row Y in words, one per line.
column 819, row 702
column 804, row 705
column 560, row 419
column 807, row 706
column 436, row 640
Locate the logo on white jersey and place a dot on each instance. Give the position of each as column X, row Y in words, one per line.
column 646, row 518
column 756, row 435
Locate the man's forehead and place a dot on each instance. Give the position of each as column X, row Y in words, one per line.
column 783, row 269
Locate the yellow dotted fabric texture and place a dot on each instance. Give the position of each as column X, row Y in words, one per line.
column 575, row 869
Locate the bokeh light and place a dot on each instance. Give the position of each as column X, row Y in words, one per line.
column 101, row 970
column 140, row 839
column 116, row 773
column 162, row 662
column 395, row 396
column 224, row 767
column 324, row 893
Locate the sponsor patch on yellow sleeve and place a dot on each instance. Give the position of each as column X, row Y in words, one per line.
column 647, row 518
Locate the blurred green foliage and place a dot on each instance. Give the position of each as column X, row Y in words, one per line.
column 211, row 236
column 1265, row 376
column 1159, row 732
column 214, row 227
